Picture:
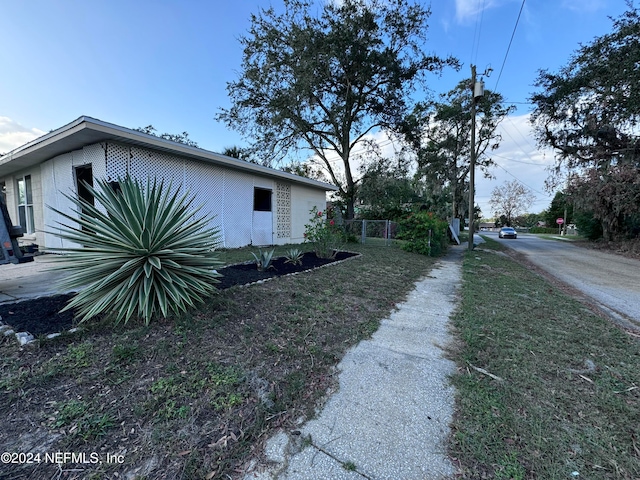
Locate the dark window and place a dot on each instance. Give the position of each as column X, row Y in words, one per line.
column 84, row 177
column 261, row 199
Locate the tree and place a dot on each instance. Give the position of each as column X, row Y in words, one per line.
column 589, row 112
column 529, row 220
column 179, row 137
column 241, row 154
column 387, row 190
column 305, row 169
column 325, row 82
column 510, row 199
column 559, row 205
column 442, row 141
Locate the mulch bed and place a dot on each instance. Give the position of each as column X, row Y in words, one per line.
column 42, row 315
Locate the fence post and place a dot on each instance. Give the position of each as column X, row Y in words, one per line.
column 363, row 234
column 387, row 233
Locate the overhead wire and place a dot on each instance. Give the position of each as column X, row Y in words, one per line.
column 509, row 47
column 476, row 34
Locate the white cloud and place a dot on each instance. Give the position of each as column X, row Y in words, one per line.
column 14, row 135
column 584, row 5
column 517, row 157
column 467, row 10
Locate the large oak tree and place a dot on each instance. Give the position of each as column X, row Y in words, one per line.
column 589, row 113
column 324, row 76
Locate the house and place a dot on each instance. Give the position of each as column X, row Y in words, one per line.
column 248, row 203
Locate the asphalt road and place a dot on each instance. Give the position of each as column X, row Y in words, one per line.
column 611, row 281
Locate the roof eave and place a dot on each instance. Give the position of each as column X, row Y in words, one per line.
column 87, row 130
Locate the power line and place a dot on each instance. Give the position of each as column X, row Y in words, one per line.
column 509, row 47
column 519, row 161
column 529, row 187
column 476, row 33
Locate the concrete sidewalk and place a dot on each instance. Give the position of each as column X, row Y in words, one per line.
column 28, row 280
column 391, row 415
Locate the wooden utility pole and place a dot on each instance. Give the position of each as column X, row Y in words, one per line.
column 472, row 166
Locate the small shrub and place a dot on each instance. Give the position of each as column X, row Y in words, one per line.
column 424, row 233
column 323, row 234
column 263, row 259
column 548, row 230
column 294, row 256
column 144, row 252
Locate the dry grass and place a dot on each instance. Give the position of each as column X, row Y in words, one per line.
column 196, row 396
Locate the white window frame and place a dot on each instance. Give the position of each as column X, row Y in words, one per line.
column 24, row 204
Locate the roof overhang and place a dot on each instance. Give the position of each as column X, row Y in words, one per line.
column 87, row 131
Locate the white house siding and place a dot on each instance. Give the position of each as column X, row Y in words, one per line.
column 226, row 195
column 58, row 176
column 302, row 202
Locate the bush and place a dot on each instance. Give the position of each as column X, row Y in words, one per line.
column 325, row 236
column 588, row 226
column 550, row 230
column 145, row 253
column 416, row 230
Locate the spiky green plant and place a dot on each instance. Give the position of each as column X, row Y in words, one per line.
column 142, row 253
column 263, row 259
column 294, row 256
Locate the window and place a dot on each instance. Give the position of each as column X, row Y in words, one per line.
column 25, row 204
column 261, row 199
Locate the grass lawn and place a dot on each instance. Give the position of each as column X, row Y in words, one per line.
column 566, row 400
column 196, row 396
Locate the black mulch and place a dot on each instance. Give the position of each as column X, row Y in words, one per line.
column 42, row 315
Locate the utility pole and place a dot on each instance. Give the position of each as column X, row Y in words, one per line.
column 472, row 167
column 477, row 91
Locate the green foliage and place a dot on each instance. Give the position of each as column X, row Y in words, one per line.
column 171, row 396
column 322, row 76
column 424, row 233
column 174, row 137
column 83, row 419
column 323, row 234
column 588, row 226
column 556, row 210
column 588, row 112
column 144, row 252
column 386, row 191
column 263, row 259
column 294, row 256
column 439, row 133
column 549, row 230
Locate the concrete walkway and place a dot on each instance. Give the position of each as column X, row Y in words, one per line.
column 391, row 415
column 29, row 280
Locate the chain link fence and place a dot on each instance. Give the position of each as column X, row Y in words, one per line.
column 372, row 231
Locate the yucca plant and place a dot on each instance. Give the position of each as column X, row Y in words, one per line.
column 145, row 252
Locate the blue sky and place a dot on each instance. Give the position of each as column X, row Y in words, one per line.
column 167, row 63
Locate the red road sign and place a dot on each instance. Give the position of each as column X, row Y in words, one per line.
column 560, row 221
